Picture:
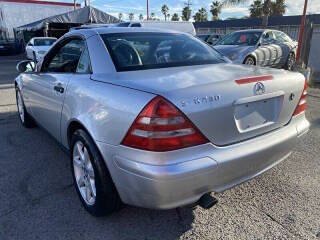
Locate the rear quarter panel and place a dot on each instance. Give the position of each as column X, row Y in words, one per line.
column 105, row 110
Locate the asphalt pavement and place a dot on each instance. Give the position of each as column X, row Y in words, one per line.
column 38, row 200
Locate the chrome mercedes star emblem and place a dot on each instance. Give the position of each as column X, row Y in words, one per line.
column 259, row 88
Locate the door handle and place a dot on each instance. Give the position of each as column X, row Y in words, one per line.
column 58, row 88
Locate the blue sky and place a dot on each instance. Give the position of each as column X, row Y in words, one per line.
column 138, row 7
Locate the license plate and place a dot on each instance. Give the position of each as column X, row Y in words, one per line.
column 254, row 115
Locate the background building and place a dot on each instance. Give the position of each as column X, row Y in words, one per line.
column 14, row 13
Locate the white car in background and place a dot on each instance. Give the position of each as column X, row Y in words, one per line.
column 180, row 26
column 37, row 47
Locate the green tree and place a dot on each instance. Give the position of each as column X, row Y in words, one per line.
column 215, row 9
column 278, row 8
column 165, row 10
column 141, row 17
column 201, row 15
column 269, row 8
column 186, row 13
column 152, row 16
column 131, row 16
column 120, row 16
column 175, row 17
column 256, row 9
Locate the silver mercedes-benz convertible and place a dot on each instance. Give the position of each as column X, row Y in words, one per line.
column 158, row 119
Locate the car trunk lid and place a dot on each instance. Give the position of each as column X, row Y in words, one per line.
column 228, row 103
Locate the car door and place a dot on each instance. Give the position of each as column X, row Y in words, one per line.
column 286, row 45
column 267, row 51
column 48, row 87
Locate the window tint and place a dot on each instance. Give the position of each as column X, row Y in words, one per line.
column 66, row 59
column 84, row 63
column 44, row 42
column 126, row 24
column 137, row 51
column 241, row 38
column 268, row 38
column 136, row 25
column 282, row 37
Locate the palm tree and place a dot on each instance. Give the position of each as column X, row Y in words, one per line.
column 165, row 10
column 153, row 15
column 120, row 16
column 201, row 15
column 256, row 9
column 186, row 13
column 215, row 10
column 279, row 8
column 131, row 16
column 141, row 17
column 175, row 17
column 268, row 6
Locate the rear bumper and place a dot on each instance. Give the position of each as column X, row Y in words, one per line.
column 169, row 180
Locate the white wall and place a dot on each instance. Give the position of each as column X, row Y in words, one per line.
column 18, row 14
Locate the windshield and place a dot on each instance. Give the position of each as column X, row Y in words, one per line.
column 137, row 51
column 44, row 42
column 241, row 38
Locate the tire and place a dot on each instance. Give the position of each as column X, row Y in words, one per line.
column 24, row 117
column 91, row 177
column 250, row 61
column 290, row 62
column 34, row 56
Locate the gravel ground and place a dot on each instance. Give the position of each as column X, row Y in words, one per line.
column 38, row 200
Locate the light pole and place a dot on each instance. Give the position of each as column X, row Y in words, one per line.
column 147, row 9
column 303, row 22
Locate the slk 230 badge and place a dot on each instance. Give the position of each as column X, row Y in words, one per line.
column 201, row 100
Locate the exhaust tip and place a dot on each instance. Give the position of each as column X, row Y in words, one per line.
column 207, row 201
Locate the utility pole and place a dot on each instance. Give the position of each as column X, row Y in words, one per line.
column 303, row 23
column 147, row 9
column 188, row 4
column 74, row 4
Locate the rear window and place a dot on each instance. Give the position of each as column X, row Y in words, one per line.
column 138, row 51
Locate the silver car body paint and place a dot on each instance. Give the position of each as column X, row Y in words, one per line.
column 107, row 102
column 271, row 55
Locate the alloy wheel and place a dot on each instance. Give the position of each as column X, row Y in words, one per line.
column 249, row 61
column 84, row 173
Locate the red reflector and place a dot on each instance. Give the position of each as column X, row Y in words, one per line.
column 302, row 104
column 162, row 127
column 254, row 79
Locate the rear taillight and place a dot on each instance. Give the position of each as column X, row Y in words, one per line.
column 302, row 104
column 162, row 127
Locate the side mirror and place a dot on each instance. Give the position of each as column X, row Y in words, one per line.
column 30, row 44
column 26, row 66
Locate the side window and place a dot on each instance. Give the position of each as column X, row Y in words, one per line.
column 268, row 38
column 84, row 63
column 279, row 37
column 66, row 58
column 136, row 25
column 285, row 37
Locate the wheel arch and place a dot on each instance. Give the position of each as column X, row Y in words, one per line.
column 74, row 125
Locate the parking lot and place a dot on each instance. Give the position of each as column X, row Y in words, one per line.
column 38, row 200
